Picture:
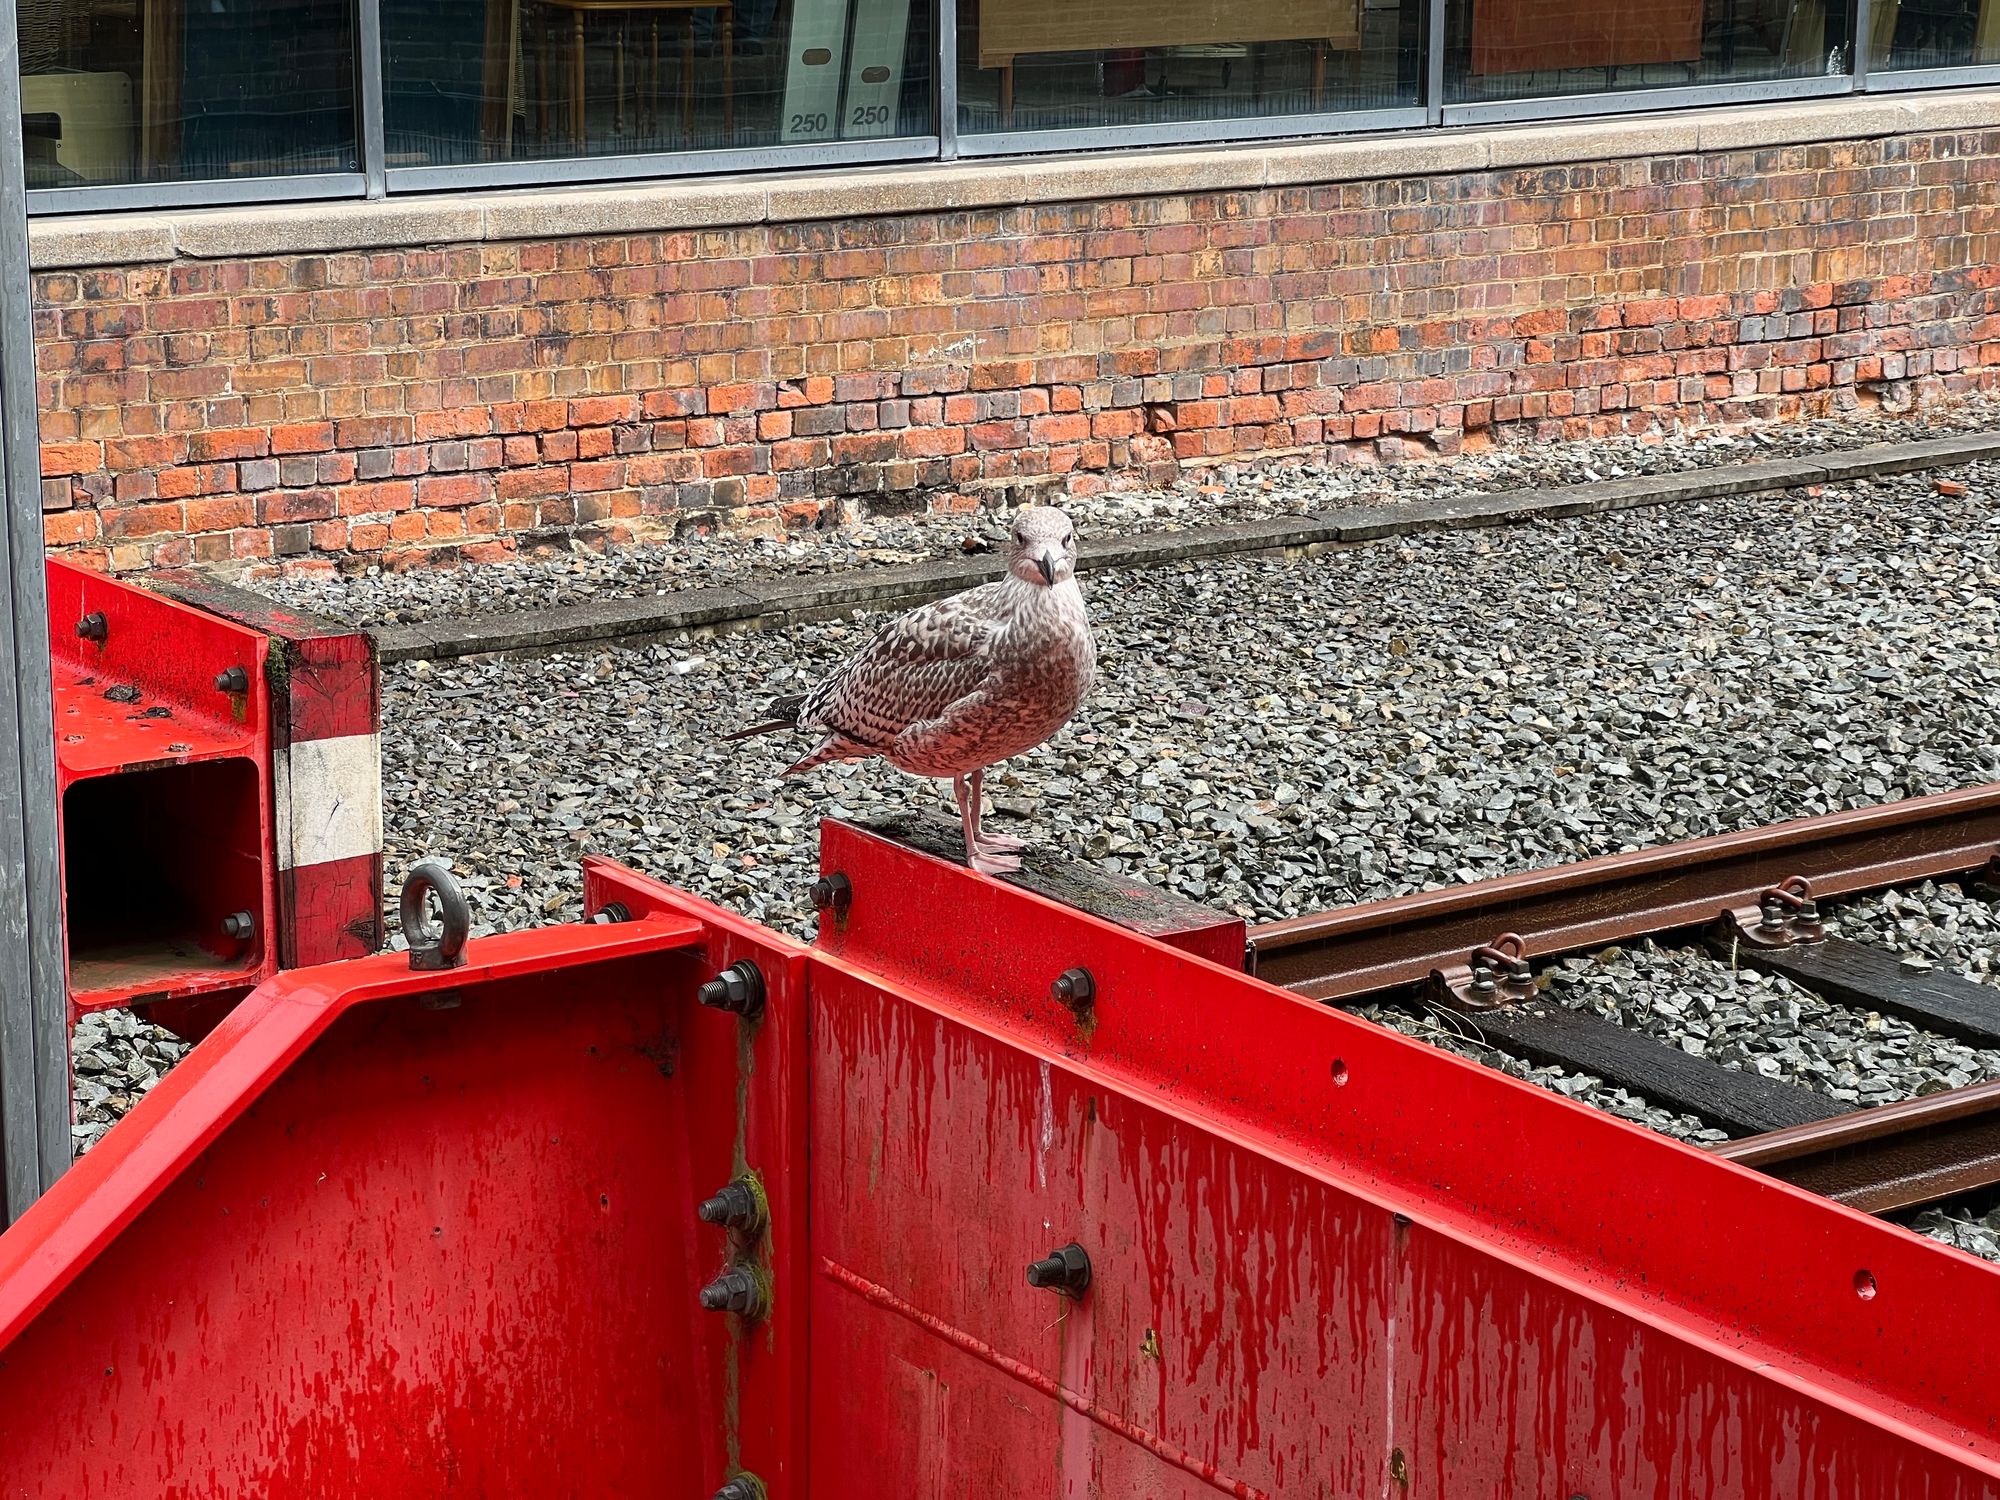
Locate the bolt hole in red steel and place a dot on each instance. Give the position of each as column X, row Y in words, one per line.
column 1339, row 1074
column 1864, row 1285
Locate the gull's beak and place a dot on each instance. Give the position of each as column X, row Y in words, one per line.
column 1047, row 564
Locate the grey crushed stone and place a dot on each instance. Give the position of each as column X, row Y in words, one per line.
column 1281, row 737
column 115, row 1058
column 1764, row 1023
column 1974, row 1228
column 578, row 572
column 1935, row 921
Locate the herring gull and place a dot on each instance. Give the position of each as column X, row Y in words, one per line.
column 958, row 686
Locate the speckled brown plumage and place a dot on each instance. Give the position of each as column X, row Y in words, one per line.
column 960, row 685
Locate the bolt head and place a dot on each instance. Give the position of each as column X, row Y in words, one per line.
column 1066, row 1270
column 738, row 989
column 1074, row 988
column 833, row 892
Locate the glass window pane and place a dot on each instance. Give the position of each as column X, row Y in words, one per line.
column 501, row 80
column 1934, row 33
column 1526, row 49
column 122, row 91
column 1079, row 64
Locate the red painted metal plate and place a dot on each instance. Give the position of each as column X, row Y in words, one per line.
column 1385, row 1269
column 388, row 1234
column 398, row 1234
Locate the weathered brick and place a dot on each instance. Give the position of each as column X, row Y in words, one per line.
column 134, row 521
column 446, row 491
column 465, row 395
column 71, row 458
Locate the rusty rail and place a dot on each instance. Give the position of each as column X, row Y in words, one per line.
column 1893, row 1157
column 1357, row 950
column 1882, row 1160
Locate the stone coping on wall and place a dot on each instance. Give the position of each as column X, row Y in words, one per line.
column 851, row 193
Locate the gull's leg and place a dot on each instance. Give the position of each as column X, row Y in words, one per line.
column 978, row 854
column 989, row 843
column 966, row 819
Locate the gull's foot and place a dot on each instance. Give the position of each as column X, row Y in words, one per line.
column 995, row 864
column 1000, row 843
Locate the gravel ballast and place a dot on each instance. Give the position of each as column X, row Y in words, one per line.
column 1935, row 921
column 1763, row 1023
column 116, row 1057
column 578, row 574
column 1276, row 737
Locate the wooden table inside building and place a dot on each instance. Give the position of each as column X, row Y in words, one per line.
column 1016, row 28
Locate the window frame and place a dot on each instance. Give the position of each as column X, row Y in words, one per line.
column 376, row 179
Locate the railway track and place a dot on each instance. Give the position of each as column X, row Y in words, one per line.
column 1848, row 1060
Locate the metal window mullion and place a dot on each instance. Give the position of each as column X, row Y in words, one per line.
column 1863, row 23
column 34, row 1008
column 1434, row 50
column 947, row 79
column 374, row 132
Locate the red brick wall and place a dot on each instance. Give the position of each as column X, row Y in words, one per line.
column 423, row 404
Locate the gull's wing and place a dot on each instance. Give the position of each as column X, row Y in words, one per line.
column 917, row 666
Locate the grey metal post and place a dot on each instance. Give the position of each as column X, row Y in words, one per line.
column 1435, row 25
column 34, row 1020
column 372, row 128
column 946, row 92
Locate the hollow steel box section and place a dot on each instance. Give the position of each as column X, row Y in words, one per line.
column 394, row 1234
column 163, row 767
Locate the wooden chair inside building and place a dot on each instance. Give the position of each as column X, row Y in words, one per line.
column 1012, row 29
column 560, row 22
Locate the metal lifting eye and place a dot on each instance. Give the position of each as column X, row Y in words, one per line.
column 439, row 945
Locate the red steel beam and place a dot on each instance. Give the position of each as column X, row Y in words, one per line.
column 390, row 1234
column 1378, row 945
column 1325, row 1256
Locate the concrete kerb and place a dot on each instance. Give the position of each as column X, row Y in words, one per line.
column 668, row 204
column 755, row 604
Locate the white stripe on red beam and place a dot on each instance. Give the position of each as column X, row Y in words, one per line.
column 329, row 796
